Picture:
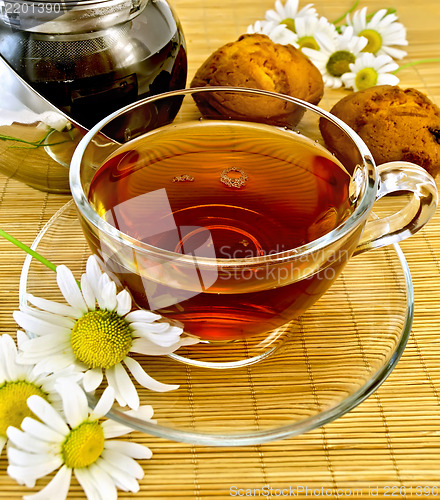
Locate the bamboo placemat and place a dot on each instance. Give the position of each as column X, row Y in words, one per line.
column 392, row 438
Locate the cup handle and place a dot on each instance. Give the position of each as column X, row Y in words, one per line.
column 400, row 176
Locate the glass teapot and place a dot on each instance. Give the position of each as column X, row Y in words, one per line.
column 90, row 57
column 80, row 59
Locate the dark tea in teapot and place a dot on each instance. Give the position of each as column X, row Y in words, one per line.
column 96, row 56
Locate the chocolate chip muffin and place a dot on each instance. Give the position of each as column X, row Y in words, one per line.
column 395, row 124
column 255, row 61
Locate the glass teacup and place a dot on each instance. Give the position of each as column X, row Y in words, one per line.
column 233, row 217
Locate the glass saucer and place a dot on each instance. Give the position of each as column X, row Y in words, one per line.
column 330, row 360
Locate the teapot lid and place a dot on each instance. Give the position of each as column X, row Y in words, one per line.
column 67, row 16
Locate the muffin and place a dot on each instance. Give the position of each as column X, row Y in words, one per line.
column 395, row 124
column 255, row 61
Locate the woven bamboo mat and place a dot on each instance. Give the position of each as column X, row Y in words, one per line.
column 393, row 438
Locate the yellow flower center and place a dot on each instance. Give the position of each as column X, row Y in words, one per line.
column 309, row 42
column 101, row 339
column 13, row 407
column 83, row 445
column 339, row 62
column 366, row 78
column 290, row 23
column 374, row 41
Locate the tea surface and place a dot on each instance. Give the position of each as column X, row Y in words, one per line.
column 225, row 190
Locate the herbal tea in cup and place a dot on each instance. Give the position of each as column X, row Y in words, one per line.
column 232, row 226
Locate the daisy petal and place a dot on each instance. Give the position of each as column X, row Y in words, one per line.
column 123, row 463
column 88, row 293
column 21, row 338
column 3, row 374
column 107, row 487
column 389, row 68
column 126, row 387
column 388, row 80
column 112, row 382
column 103, row 281
column 108, row 297
column 74, row 402
column 25, row 442
column 53, row 364
column 144, row 379
column 20, row 457
column 165, row 339
column 93, row 273
column 88, row 484
column 35, row 471
column 123, row 481
column 114, row 429
column 53, row 307
column 46, row 345
column 395, row 53
column 47, row 414
column 37, row 326
column 151, row 327
column 124, row 303
column 145, row 346
column 92, row 379
column 130, row 449
column 70, row 289
column 103, row 406
column 57, row 488
column 40, row 431
column 8, row 355
column 51, row 318
column 20, row 475
column 144, row 412
column 142, row 315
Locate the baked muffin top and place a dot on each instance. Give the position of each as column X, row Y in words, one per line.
column 395, row 123
column 255, row 61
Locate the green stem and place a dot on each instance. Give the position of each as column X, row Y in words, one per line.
column 16, row 139
column 34, row 144
column 414, row 63
column 28, row 250
column 390, row 10
column 349, row 11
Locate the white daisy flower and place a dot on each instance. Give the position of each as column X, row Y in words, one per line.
column 382, row 31
column 370, row 70
column 278, row 33
column 307, row 27
column 18, row 382
column 95, row 333
column 288, row 13
column 55, row 121
column 336, row 55
column 78, row 442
